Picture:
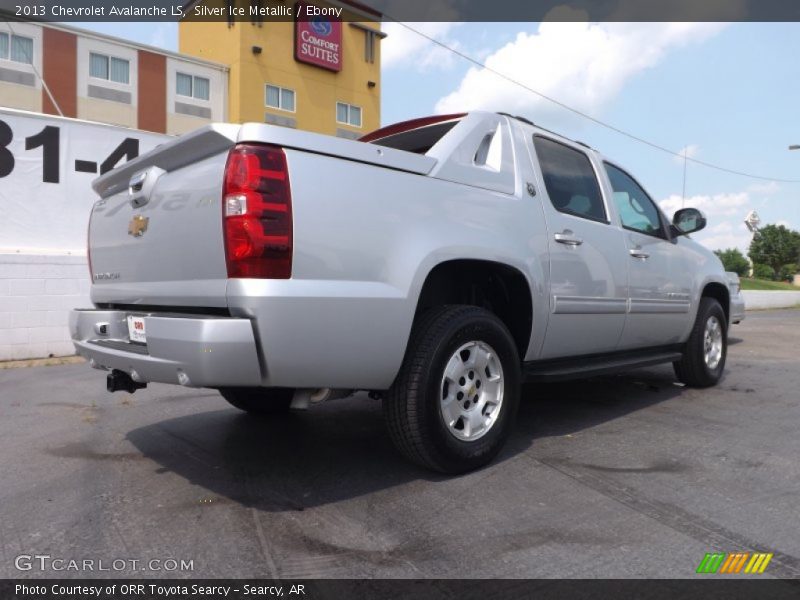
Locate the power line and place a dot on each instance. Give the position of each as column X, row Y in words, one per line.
column 587, row 116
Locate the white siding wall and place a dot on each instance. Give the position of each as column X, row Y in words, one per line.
column 216, row 105
column 107, row 111
column 16, row 95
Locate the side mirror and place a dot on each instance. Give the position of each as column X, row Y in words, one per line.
column 688, row 220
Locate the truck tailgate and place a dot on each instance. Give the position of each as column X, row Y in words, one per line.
column 162, row 243
column 156, row 236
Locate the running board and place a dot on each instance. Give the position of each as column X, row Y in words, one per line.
column 592, row 366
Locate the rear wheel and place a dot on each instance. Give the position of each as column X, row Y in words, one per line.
column 259, row 401
column 452, row 406
column 704, row 357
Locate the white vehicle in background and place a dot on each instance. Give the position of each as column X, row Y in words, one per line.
column 436, row 263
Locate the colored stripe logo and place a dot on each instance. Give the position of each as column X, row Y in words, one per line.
column 734, row 562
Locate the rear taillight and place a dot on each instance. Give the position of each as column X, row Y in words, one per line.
column 257, row 213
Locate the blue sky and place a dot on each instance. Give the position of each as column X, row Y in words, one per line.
column 728, row 93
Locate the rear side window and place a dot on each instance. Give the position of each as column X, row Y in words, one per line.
column 570, row 180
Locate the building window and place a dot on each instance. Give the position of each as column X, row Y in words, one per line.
column 16, row 48
column 109, row 68
column 348, row 114
column 369, row 46
column 280, row 98
column 193, row 86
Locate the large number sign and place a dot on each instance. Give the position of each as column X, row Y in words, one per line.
column 47, row 165
column 318, row 40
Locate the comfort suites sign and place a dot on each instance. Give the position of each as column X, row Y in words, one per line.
column 317, row 39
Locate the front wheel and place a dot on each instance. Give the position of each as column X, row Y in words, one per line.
column 259, row 401
column 452, row 406
column 704, row 357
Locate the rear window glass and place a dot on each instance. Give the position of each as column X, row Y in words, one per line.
column 418, row 140
column 570, row 180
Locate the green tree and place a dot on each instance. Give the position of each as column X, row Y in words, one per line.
column 775, row 245
column 787, row 272
column 733, row 260
column 763, row 271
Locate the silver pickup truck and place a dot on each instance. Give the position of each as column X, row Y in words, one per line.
column 437, row 264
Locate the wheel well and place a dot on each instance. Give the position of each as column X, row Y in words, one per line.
column 721, row 294
column 496, row 287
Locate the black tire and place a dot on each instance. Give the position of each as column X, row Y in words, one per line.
column 692, row 368
column 412, row 405
column 259, row 401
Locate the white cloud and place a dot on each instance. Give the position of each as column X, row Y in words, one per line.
column 584, row 65
column 725, row 235
column 690, row 151
column 725, row 214
column 764, row 189
column 404, row 47
column 718, row 205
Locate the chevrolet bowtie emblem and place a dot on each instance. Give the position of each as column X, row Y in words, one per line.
column 138, row 226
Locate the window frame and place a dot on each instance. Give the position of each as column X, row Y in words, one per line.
column 349, row 107
column 603, row 199
column 280, row 98
column 193, row 86
column 666, row 234
column 11, row 36
column 109, row 58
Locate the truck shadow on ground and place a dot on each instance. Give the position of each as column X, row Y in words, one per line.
column 341, row 450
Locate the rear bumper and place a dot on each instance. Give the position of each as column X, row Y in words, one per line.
column 187, row 350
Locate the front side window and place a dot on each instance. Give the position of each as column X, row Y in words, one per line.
column 16, row 48
column 348, row 114
column 109, row 68
column 192, row 86
column 281, row 98
column 570, row 180
column 636, row 210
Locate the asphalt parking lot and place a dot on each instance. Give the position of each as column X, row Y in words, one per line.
column 624, row 476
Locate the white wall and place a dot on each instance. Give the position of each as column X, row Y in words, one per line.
column 754, row 299
column 36, row 294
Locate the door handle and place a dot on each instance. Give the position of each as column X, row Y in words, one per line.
column 567, row 238
column 638, row 253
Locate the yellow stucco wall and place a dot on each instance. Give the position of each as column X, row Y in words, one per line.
column 316, row 89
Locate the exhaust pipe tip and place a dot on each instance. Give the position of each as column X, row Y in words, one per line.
column 117, row 381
